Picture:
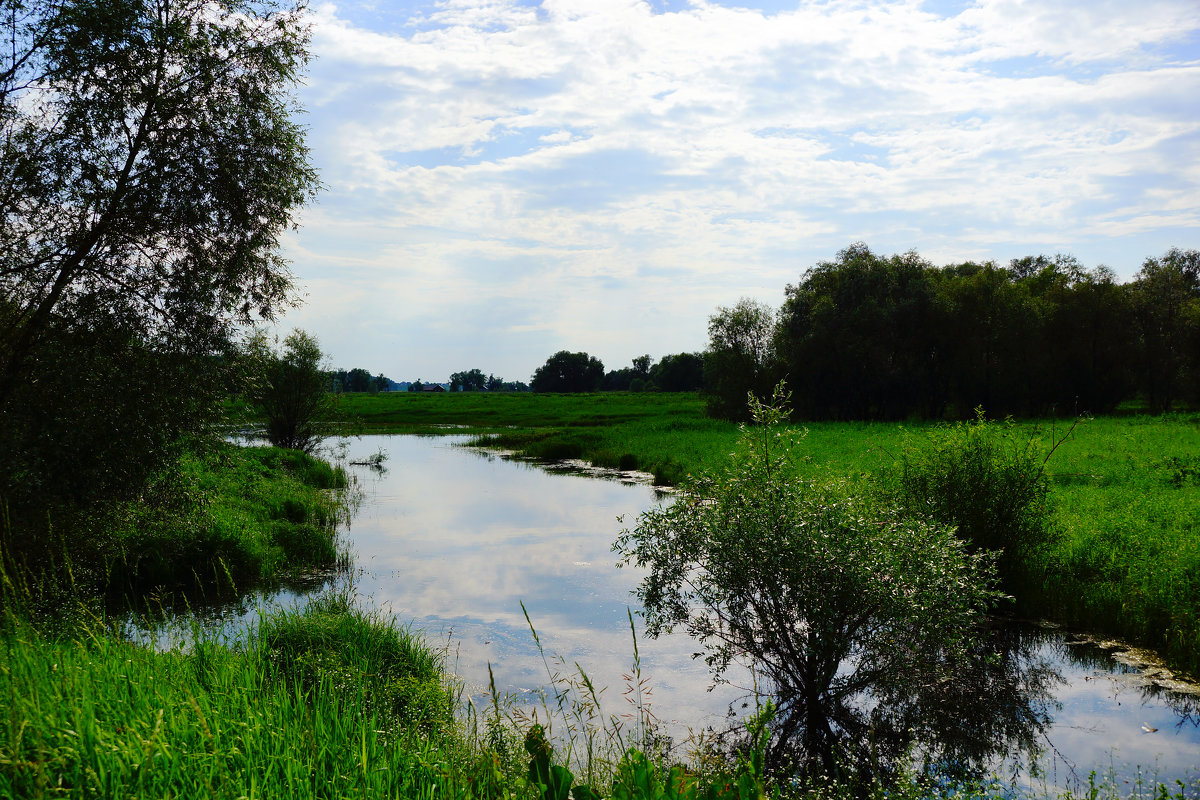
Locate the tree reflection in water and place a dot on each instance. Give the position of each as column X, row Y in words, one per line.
column 995, row 710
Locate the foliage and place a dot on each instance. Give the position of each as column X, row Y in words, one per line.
column 674, row 373
column 683, row 372
column 568, row 372
column 828, row 597
column 472, row 380
column 1166, row 303
column 740, row 358
column 290, row 391
column 987, row 481
column 637, row 777
column 867, row 336
column 150, row 164
column 855, row 335
column 260, row 514
column 359, row 380
column 102, row 417
column 238, row 516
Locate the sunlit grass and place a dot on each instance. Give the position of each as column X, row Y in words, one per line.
column 315, row 706
column 249, row 514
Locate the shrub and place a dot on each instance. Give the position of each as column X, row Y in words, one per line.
column 829, row 596
column 290, row 390
column 986, row 481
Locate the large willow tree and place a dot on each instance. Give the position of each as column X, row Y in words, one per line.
column 149, row 163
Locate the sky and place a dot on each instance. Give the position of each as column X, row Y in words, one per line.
column 504, row 179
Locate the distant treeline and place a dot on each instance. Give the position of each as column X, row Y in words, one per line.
column 359, row 380
column 579, row 372
column 473, row 380
column 872, row 337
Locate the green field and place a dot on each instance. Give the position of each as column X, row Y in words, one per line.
column 1126, row 489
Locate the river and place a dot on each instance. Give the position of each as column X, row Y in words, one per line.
column 456, row 540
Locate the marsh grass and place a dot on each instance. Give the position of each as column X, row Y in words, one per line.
column 288, row 715
column 231, row 518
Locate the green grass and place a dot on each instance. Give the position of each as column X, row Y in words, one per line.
column 256, row 514
column 326, row 703
column 334, row 702
column 1125, row 489
column 229, row 517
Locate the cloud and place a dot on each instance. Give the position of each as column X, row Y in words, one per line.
column 553, row 157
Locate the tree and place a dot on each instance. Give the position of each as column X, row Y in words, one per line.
column 831, row 598
column 149, row 163
column 857, row 336
column 472, row 380
column 358, row 380
column 102, row 415
column 1166, row 293
column 1090, row 343
column 641, row 366
column 568, row 372
column 740, row 357
column 290, row 390
column 679, row 373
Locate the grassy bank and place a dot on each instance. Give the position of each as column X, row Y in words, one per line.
column 255, row 514
column 333, row 702
column 225, row 518
column 328, row 702
column 325, row 703
column 663, row 433
column 1125, row 489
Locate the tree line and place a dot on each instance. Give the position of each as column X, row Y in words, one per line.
column 579, row 372
column 867, row 336
column 358, row 380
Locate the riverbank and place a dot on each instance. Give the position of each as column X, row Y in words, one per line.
column 1125, row 489
column 226, row 518
column 328, row 702
column 320, row 700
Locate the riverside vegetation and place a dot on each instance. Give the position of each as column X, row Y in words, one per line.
column 1121, row 498
column 334, row 701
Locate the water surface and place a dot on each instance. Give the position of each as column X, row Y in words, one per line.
column 456, row 540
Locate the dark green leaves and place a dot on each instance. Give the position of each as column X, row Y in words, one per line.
column 830, row 597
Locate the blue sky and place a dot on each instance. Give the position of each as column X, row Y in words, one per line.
column 509, row 178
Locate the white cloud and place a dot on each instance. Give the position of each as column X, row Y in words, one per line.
column 581, row 160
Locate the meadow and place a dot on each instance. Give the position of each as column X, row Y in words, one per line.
column 335, row 701
column 1124, row 560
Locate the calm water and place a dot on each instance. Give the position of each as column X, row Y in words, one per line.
column 456, row 540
